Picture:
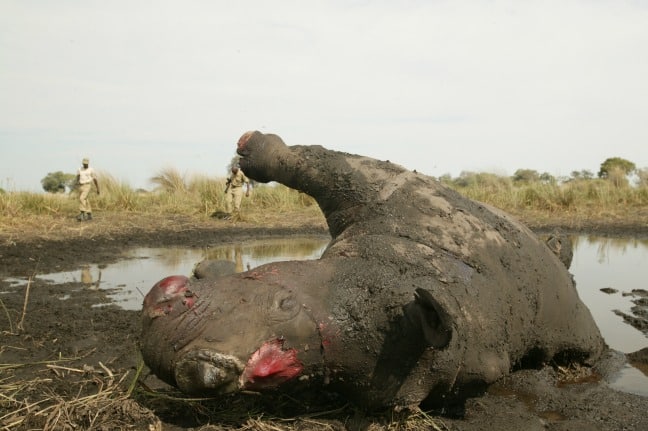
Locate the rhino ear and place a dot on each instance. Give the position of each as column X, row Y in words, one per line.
column 432, row 318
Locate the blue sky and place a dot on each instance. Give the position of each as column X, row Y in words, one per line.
column 437, row 86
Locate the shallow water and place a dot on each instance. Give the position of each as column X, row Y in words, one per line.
column 128, row 280
column 620, row 264
column 598, row 263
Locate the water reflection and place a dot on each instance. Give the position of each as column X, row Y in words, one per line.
column 619, row 264
column 610, row 247
column 87, row 278
column 127, row 281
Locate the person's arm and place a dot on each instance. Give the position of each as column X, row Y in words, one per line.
column 96, row 183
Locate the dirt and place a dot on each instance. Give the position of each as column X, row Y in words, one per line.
column 69, row 364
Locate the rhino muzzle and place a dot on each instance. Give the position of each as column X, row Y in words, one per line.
column 206, row 371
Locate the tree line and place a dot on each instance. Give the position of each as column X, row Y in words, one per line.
column 615, row 169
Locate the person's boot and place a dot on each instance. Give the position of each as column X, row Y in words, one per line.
column 88, row 216
column 81, row 216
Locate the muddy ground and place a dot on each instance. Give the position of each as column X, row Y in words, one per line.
column 67, row 364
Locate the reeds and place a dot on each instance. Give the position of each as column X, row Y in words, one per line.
column 202, row 195
column 14, row 204
column 591, row 194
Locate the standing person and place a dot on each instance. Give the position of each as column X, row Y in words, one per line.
column 85, row 177
column 234, row 192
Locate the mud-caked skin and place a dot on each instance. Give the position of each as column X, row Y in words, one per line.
column 422, row 294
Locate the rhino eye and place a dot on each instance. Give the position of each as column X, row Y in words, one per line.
column 287, row 303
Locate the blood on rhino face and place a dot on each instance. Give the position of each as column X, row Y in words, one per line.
column 228, row 334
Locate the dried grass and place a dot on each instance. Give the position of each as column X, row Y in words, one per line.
column 100, row 401
column 63, row 396
column 122, row 223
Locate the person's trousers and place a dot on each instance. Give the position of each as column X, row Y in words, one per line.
column 234, row 197
column 84, row 204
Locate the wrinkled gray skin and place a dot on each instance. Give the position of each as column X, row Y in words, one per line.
column 422, row 294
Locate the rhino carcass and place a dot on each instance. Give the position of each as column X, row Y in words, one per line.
column 422, row 294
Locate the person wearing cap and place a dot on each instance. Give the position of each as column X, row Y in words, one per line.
column 234, row 192
column 85, row 177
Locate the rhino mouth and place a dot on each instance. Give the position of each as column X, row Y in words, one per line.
column 206, row 371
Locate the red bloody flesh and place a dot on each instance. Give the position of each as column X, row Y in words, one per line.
column 270, row 366
column 161, row 298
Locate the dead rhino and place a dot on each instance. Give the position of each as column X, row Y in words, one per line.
column 422, row 294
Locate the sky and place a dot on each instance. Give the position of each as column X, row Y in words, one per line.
column 437, row 86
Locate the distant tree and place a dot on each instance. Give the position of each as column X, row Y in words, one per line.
column 526, row 176
column 547, row 178
column 616, row 164
column 481, row 179
column 445, row 179
column 466, row 179
column 58, row 182
column 587, row 174
column 583, row 174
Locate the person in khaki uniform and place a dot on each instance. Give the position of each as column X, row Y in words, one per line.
column 85, row 177
column 234, row 192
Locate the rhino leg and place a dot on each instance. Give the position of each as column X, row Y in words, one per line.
column 561, row 245
column 342, row 184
